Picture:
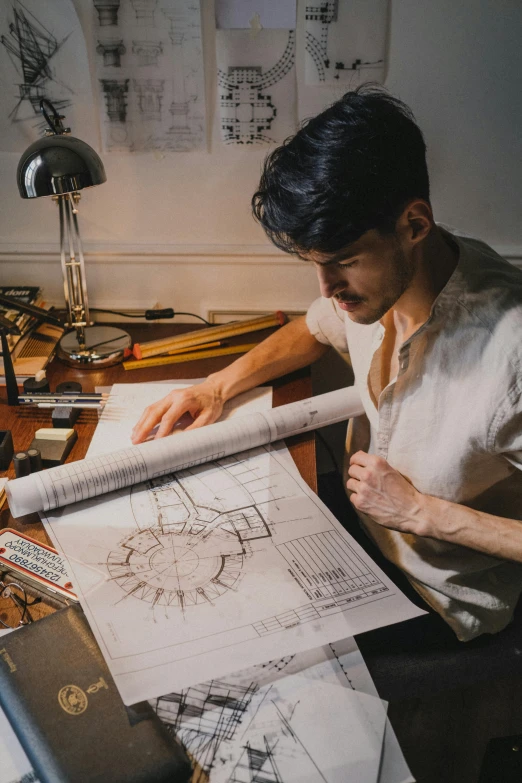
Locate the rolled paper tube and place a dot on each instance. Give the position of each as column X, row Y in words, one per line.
column 91, row 477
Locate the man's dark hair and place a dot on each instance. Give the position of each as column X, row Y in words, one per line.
column 352, row 168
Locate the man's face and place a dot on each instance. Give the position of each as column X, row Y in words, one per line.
column 367, row 278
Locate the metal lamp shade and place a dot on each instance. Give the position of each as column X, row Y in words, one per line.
column 56, row 165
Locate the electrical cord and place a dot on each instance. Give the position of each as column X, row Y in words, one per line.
column 151, row 315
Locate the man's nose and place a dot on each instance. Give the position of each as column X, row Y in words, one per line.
column 328, row 281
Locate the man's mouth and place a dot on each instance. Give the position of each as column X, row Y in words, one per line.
column 348, row 304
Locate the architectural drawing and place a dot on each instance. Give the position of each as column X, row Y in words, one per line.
column 107, row 11
column 215, row 711
column 149, row 94
column 222, row 565
column 191, row 545
column 345, row 41
column 31, row 47
column 111, row 51
column 214, row 721
column 156, row 45
column 144, row 10
column 115, row 94
column 256, row 101
column 42, row 55
column 305, row 730
column 147, row 52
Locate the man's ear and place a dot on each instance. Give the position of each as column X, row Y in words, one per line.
column 415, row 222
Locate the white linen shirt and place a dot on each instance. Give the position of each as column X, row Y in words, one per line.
column 451, row 423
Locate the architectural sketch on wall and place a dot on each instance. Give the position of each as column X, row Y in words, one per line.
column 42, row 53
column 144, row 10
column 345, row 41
column 218, row 721
column 147, row 52
column 111, row 51
column 156, row 45
column 219, row 566
column 256, row 86
column 107, row 11
column 149, row 94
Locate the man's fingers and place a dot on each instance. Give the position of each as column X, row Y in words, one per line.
column 357, row 472
column 172, row 415
column 148, row 420
column 167, row 412
column 155, row 414
column 361, row 458
column 353, row 485
column 206, row 417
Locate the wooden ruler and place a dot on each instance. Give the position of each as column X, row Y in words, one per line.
column 156, row 361
column 193, row 339
column 201, row 347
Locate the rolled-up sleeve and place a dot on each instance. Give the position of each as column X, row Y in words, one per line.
column 326, row 323
column 508, row 430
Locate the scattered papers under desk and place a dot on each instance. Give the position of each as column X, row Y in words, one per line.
column 212, row 719
column 303, row 717
column 196, row 575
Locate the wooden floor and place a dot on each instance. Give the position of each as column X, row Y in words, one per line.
column 444, row 737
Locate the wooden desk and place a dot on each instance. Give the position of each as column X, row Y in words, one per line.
column 24, row 421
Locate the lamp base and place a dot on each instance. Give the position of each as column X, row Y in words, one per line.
column 104, row 346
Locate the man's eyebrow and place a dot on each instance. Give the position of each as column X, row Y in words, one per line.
column 342, row 255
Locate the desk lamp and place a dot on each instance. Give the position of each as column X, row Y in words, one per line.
column 59, row 166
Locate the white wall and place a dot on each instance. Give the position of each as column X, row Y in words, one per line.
column 176, row 229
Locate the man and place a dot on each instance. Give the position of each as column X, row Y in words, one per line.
column 433, row 325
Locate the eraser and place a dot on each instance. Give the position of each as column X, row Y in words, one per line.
column 54, row 433
column 54, row 452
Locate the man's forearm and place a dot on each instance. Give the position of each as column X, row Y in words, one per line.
column 288, row 349
column 392, row 501
column 457, row 524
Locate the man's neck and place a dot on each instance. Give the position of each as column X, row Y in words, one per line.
column 436, row 260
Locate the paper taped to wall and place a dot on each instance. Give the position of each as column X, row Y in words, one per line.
column 90, row 478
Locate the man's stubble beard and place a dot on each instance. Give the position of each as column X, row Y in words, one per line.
column 403, row 275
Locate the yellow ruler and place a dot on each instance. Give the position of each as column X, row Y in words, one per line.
column 193, row 339
column 200, row 348
column 156, row 361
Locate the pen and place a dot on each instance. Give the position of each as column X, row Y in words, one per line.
column 97, row 405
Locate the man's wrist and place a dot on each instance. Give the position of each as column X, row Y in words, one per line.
column 430, row 516
column 222, row 388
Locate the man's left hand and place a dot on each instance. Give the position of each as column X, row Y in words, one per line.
column 383, row 493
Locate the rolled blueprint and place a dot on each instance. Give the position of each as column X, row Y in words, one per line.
column 88, row 478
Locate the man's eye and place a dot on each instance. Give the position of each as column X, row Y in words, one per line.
column 346, row 264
